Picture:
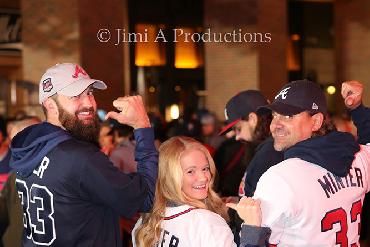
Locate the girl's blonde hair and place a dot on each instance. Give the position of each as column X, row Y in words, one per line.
column 168, row 189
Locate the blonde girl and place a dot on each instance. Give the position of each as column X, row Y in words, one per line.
column 186, row 210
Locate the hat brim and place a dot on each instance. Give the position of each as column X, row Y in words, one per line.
column 77, row 87
column 228, row 127
column 283, row 109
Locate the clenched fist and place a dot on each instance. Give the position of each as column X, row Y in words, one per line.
column 132, row 112
column 352, row 94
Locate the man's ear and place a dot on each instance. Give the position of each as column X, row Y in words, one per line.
column 318, row 121
column 51, row 106
column 253, row 119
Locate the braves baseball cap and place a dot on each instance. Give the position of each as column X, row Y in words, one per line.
column 298, row 96
column 68, row 79
column 240, row 106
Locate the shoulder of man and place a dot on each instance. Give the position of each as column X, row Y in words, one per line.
column 75, row 150
column 266, row 154
column 77, row 146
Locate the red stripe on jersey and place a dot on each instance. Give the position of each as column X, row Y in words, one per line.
column 272, row 245
column 178, row 214
column 3, row 178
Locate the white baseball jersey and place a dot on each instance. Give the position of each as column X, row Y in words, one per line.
column 186, row 226
column 305, row 205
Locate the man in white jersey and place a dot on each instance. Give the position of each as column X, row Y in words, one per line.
column 314, row 197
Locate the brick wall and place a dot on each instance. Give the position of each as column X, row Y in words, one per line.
column 10, row 4
column 66, row 31
column 229, row 67
column 273, row 74
column 104, row 61
column 322, row 61
column 233, row 67
column 50, row 34
column 352, row 29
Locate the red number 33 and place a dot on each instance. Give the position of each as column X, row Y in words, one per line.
column 339, row 215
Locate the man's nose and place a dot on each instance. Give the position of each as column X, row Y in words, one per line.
column 87, row 100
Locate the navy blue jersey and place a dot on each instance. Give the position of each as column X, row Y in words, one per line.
column 361, row 119
column 265, row 157
column 73, row 195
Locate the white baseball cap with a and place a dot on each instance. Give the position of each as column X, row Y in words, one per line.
column 68, row 79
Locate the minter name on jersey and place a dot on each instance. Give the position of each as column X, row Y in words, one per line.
column 331, row 183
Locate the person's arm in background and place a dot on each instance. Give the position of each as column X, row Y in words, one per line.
column 352, row 94
column 4, row 218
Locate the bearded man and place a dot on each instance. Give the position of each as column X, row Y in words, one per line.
column 71, row 193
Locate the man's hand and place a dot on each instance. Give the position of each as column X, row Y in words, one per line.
column 132, row 112
column 352, row 94
column 249, row 210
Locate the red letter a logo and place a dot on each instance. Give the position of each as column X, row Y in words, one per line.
column 78, row 70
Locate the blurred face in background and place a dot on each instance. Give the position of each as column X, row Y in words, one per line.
column 105, row 139
column 244, row 129
column 208, row 129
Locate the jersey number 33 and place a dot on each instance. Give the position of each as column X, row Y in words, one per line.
column 38, row 209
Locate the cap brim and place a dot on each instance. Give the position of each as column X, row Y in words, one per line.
column 228, row 127
column 283, row 109
column 262, row 110
column 79, row 86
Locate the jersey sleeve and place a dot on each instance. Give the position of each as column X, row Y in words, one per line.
column 146, row 156
column 361, row 119
column 253, row 236
column 133, row 233
column 127, row 194
column 363, row 158
column 275, row 211
column 214, row 231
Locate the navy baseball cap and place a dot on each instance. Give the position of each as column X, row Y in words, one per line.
column 298, row 96
column 240, row 106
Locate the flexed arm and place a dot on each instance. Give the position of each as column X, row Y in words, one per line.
column 352, row 94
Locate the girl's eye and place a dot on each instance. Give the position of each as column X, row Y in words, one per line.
column 190, row 172
column 206, row 168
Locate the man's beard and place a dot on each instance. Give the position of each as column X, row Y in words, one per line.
column 76, row 127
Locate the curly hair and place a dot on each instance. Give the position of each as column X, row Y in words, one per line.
column 262, row 130
column 326, row 127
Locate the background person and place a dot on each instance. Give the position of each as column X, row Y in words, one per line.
column 252, row 126
column 11, row 213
